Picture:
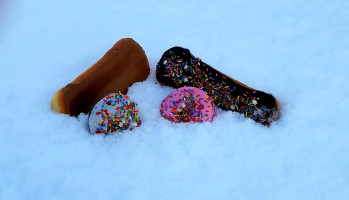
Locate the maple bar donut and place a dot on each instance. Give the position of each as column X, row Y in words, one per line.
column 115, row 112
column 188, row 104
column 179, row 68
column 124, row 64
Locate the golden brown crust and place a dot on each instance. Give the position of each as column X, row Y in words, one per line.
column 124, row 64
column 56, row 100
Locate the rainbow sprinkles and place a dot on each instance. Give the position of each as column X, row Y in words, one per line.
column 179, row 68
column 187, row 104
column 115, row 112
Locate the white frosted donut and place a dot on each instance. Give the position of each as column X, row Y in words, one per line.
column 114, row 113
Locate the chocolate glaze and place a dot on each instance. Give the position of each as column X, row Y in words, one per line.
column 124, row 64
column 179, row 68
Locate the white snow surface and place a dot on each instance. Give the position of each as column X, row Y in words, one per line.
column 296, row 50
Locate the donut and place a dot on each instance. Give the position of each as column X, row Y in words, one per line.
column 113, row 113
column 179, row 68
column 124, row 64
column 187, row 104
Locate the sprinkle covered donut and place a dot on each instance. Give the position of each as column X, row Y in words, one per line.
column 179, row 68
column 187, row 104
column 114, row 113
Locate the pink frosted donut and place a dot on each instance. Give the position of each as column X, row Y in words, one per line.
column 188, row 104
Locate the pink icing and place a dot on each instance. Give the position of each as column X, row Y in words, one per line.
column 188, row 104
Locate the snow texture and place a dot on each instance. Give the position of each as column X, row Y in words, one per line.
column 297, row 50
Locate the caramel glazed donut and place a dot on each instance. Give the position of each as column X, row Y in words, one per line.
column 179, row 68
column 124, row 64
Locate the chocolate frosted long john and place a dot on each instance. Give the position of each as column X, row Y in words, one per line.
column 179, row 68
column 124, row 64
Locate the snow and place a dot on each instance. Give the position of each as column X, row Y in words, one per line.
column 296, row 50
